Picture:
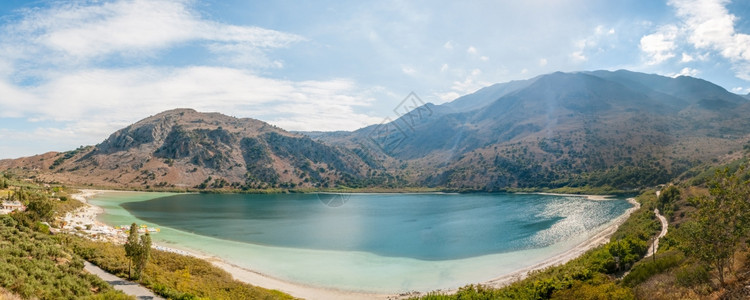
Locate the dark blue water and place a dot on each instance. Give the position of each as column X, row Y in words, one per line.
column 421, row 226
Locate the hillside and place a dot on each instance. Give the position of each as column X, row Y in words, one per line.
column 622, row 129
column 597, row 129
column 183, row 148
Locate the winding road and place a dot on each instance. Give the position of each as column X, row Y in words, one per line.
column 664, row 228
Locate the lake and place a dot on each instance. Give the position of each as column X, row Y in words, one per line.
column 369, row 242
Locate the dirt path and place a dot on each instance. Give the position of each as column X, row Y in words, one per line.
column 664, row 228
column 126, row 286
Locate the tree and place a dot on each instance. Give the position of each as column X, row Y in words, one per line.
column 719, row 223
column 138, row 250
column 143, row 255
column 132, row 246
column 667, row 199
column 41, row 208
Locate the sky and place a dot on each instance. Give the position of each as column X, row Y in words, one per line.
column 73, row 72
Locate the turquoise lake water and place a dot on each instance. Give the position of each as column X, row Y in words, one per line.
column 369, row 242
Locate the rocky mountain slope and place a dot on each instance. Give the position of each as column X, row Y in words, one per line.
column 617, row 129
column 622, row 129
column 183, row 148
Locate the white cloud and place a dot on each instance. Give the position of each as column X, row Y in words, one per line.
column 79, row 32
column 660, row 46
column 444, row 68
column 597, row 42
column 686, row 72
column 471, row 50
column 448, row 45
column 686, row 58
column 448, row 96
column 542, row 62
column 741, row 90
column 601, row 30
column 408, row 70
column 710, row 26
column 578, row 55
column 484, row 58
column 105, row 100
column 63, row 50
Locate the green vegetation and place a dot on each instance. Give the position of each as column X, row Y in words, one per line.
column 36, row 265
column 68, row 155
column 720, row 222
column 668, row 199
column 646, row 268
column 137, row 250
column 173, row 275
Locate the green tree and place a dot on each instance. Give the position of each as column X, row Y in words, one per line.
column 719, row 222
column 143, row 255
column 667, row 199
column 41, row 208
column 138, row 251
column 132, row 247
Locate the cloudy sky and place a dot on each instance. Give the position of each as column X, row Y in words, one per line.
column 73, row 72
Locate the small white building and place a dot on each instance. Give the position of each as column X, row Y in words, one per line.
column 9, row 206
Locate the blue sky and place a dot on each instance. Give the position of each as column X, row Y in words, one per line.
column 73, row 72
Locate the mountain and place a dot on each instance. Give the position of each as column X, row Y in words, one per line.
column 183, row 148
column 623, row 129
column 617, row 129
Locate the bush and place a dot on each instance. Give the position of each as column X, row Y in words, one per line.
column 693, row 275
column 646, row 268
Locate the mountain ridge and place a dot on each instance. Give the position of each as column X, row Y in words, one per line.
column 570, row 127
column 619, row 129
column 183, row 148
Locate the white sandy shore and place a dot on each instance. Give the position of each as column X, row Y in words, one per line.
column 589, row 197
column 89, row 213
column 83, row 221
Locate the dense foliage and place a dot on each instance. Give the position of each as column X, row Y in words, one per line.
column 720, row 222
column 668, row 199
column 35, row 265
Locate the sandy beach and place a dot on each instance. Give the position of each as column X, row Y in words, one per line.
column 83, row 221
column 589, row 197
column 87, row 216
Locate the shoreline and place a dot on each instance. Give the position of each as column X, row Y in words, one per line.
column 588, row 197
column 600, row 238
column 300, row 290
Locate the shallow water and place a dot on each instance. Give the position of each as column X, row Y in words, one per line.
column 369, row 242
